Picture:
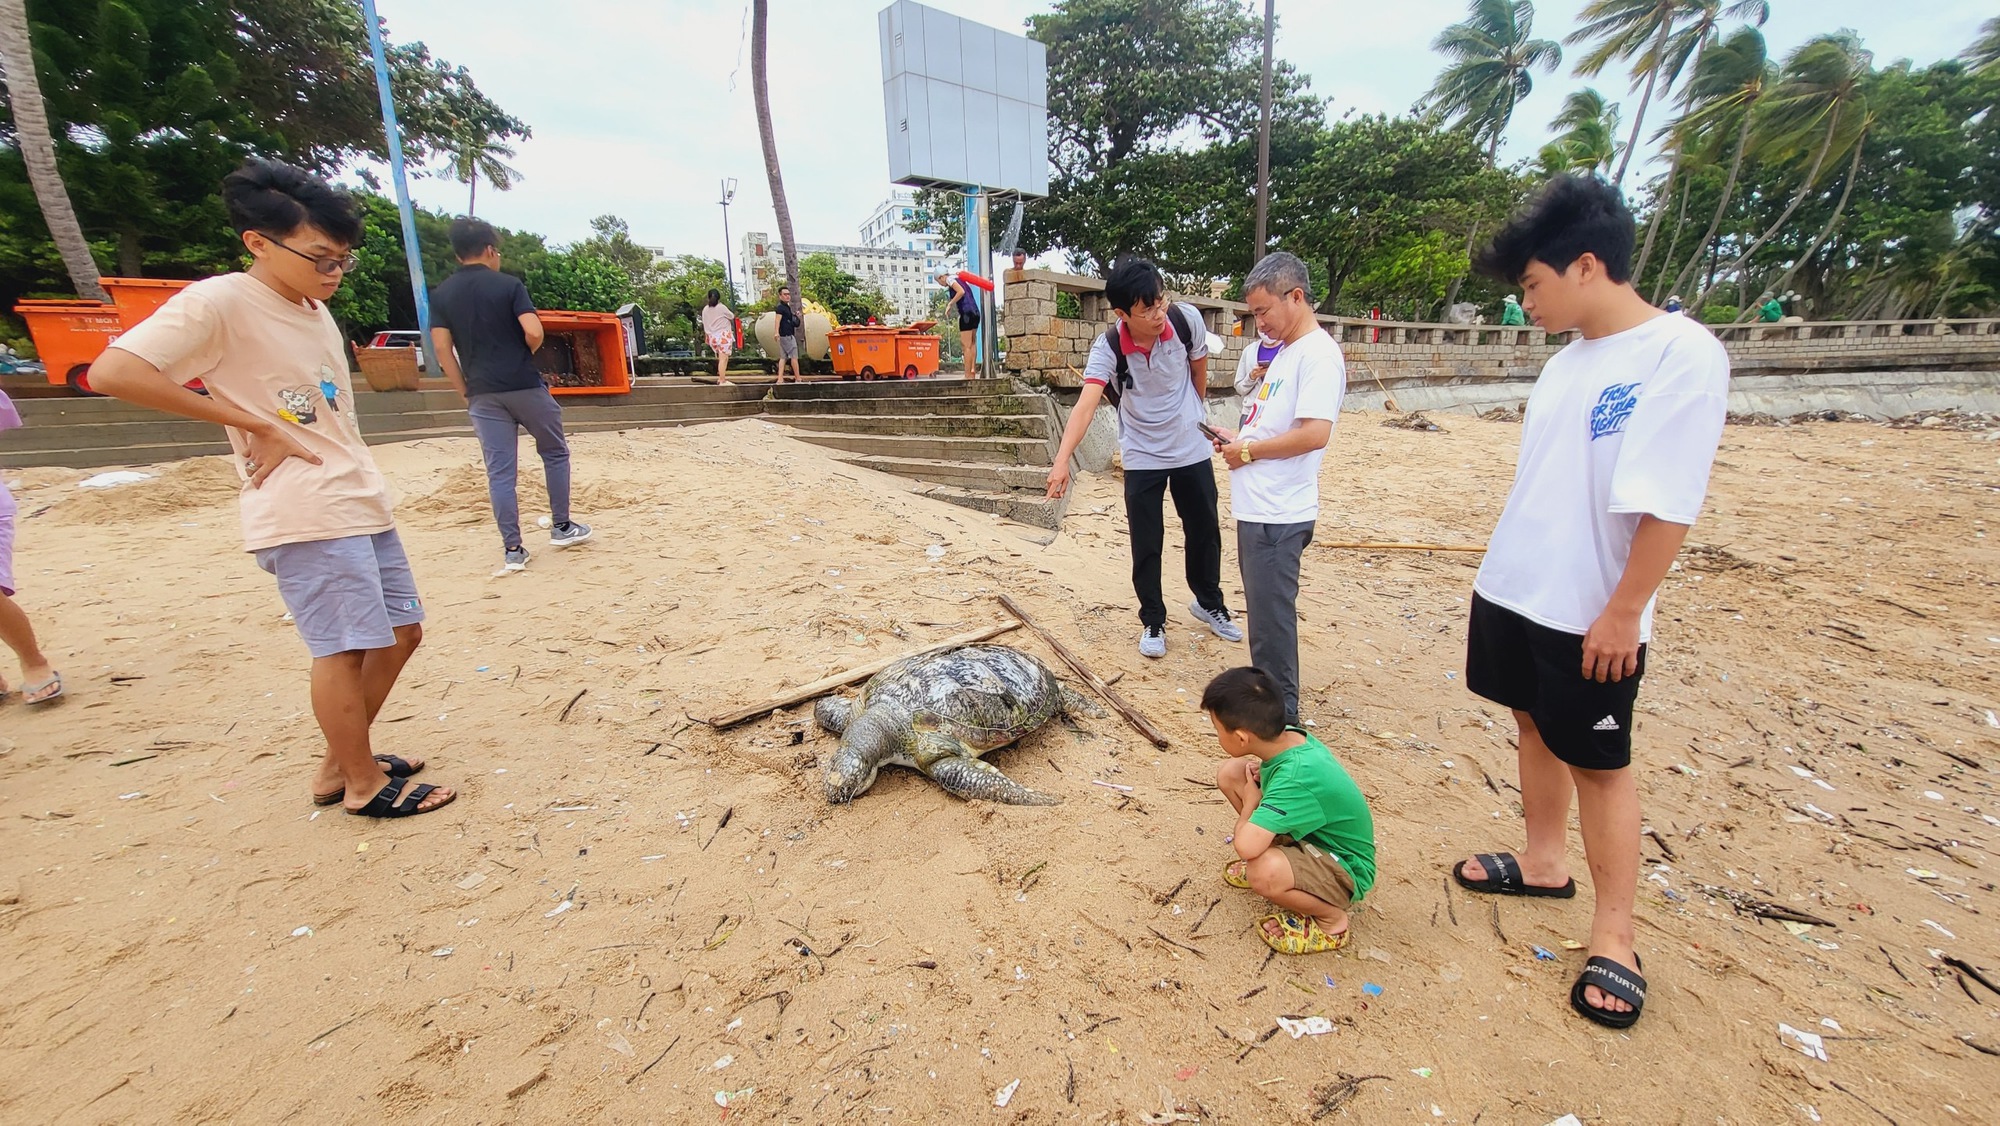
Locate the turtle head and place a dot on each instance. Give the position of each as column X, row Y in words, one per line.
column 871, row 737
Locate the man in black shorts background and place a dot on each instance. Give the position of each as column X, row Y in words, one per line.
column 788, row 335
column 1620, row 432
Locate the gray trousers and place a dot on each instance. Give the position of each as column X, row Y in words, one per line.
column 498, row 418
column 1269, row 557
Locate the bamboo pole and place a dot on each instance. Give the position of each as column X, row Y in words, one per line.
column 827, row 684
column 1132, row 716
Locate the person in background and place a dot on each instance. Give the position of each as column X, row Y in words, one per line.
column 788, row 335
column 718, row 324
column 316, row 511
column 1673, row 304
column 1254, row 362
column 1274, row 462
column 1510, row 312
column 1621, row 431
column 1772, row 310
column 40, row 684
column 486, row 331
column 966, row 304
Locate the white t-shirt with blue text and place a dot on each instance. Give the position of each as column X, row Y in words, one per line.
column 1617, row 428
column 1306, row 380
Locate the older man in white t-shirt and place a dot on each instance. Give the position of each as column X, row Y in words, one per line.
column 1274, row 460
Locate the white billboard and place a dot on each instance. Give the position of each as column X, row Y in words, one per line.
column 965, row 104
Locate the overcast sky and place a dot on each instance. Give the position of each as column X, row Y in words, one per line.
column 641, row 107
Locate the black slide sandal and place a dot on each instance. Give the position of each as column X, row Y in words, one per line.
column 395, row 766
column 1503, row 877
column 1613, row 979
column 384, row 803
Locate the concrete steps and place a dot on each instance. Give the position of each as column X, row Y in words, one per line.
column 923, row 425
column 1001, row 451
column 976, row 476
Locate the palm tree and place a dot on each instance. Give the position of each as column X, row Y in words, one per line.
column 1588, row 141
column 1732, row 79
column 1820, row 104
column 38, row 150
column 1625, row 29
column 1491, row 56
column 1984, row 54
column 474, row 154
column 761, row 89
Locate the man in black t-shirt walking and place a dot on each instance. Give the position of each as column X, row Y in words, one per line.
column 788, row 335
column 485, row 330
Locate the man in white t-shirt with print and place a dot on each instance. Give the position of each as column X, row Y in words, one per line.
column 1153, row 368
column 1274, row 460
column 1620, row 433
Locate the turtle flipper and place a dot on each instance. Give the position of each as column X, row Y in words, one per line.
column 1075, row 703
column 970, row 778
column 832, row 713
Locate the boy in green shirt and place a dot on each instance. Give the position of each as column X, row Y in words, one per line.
column 1304, row 837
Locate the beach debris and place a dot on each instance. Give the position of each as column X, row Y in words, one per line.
column 1309, row 1026
column 1372, row 989
column 1938, row 927
column 442, row 952
column 560, row 908
column 1542, row 955
column 1572, row 944
column 114, row 479
column 1567, row 1120
column 725, row 1061
column 1334, row 1096
column 727, row 1099
column 1414, row 420
column 132, row 796
column 1421, row 1072
column 303, row 932
column 471, row 881
column 827, row 684
column 1005, row 1095
column 1110, row 785
column 1806, row 1043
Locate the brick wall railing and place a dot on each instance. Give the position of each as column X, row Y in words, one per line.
column 1047, row 348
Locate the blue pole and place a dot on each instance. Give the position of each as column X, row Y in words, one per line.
column 395, row 134
column 973, row 252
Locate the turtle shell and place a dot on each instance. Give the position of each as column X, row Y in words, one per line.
column 984, row 696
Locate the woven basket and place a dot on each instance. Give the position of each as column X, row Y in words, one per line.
column 389, row 369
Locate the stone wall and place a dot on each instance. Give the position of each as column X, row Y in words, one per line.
column 1050, row 350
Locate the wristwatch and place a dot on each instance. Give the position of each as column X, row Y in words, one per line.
column 1247, row 459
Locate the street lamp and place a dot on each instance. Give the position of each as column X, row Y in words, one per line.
column 728, row 262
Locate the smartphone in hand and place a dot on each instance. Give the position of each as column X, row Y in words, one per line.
column 1210, row 431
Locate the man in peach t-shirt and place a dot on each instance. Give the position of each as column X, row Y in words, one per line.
column 315, row 510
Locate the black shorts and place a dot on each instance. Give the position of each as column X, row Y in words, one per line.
column 967, row 322
column 1531, row 668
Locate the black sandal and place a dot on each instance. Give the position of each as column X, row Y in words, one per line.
column 395, row 766
column 1503, row 877
column 1611, row 978
column 384, row 803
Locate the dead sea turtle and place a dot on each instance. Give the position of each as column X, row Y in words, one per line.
column 938, row 712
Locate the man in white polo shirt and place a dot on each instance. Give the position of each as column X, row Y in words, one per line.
column 1153, row 368
column 1274, row 462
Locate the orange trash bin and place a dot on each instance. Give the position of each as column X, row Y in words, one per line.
column 139, row 298
column 69, row 335
column 583, row 353
column 866, row 351
column 917, row 354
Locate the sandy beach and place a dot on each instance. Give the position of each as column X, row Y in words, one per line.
column 629, row 917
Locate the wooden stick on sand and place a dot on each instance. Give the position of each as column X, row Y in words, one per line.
column 1139, row 722
column 1406, row 546
column 827, row 684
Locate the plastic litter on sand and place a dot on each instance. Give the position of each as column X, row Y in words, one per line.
column 1005, row 1094
column 1807, row 1043
column 1310, row 1026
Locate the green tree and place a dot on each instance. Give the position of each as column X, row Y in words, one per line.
column 850, row 300
column 1587, row 138
column 675, row 293
column 1721, row 102
column 1623, row 29
column 577, row 278
column 1984, row 54
column 1491, row 55
column 472, row 155
column 611, row 239
column 37, row 149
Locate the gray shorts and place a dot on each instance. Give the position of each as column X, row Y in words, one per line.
column 788, row 347
column 346, row 594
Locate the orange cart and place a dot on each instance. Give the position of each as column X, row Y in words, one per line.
column 864, row 351
column 69, row 335
column 139, row 298
column 917, row 353
column 583, row 353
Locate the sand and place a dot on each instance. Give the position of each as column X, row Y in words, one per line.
column 581, row 937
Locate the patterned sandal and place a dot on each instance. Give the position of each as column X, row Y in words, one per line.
column 1301, row 935
column 1236, row 874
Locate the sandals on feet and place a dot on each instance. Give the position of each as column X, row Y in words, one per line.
column 47, row 692
column 384, row 803
column 395, row 766
column 1301, row 935
column 1503, row 877
column 1236, row 874
column 1615, row 980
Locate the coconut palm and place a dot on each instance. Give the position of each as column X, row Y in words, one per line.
column 761, row 91
column 1492, row 55
column 1721, row 101
column 1627, row 29
column 1819, row 105
column 473, row 155
column 1588, row 137
column 1984, row 54
column 38, row 150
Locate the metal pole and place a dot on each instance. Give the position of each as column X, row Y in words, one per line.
column 728, row 262
column 989, row 340
column 972, row 201
column 1264, row 142
column 411, row 253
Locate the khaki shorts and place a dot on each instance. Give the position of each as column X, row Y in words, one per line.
column 1317, row 872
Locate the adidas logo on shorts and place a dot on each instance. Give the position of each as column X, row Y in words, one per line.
column 1606, row 724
